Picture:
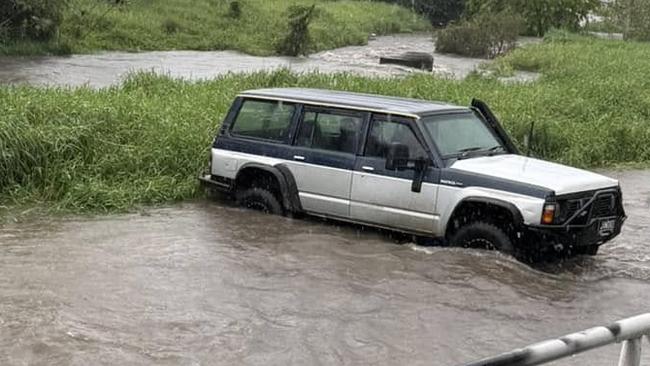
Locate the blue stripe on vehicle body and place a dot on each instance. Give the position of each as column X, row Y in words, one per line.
column 445, row 176
column 459, row 178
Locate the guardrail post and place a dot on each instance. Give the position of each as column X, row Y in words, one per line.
column 631, row 353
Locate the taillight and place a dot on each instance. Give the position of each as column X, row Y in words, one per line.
column 548, row 214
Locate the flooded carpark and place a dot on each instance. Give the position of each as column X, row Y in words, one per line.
column 206, row 283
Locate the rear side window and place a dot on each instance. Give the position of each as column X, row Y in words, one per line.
column 329, row 131
column 269, row 120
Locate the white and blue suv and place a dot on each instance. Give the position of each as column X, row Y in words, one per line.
column 424, row 168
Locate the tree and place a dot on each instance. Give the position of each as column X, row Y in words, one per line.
column 33, row 19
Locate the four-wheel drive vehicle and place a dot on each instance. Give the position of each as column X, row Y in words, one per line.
column 419, row 167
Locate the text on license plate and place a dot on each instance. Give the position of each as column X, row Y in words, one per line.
column 606, row 227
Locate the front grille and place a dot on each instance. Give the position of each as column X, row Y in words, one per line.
column 572, row 206
column 604, row 205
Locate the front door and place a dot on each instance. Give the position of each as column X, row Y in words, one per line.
column 322, row 159
column 384, row 197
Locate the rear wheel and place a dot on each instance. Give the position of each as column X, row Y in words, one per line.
column 483, row 235
column 259, row 199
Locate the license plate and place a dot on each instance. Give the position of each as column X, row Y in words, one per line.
column 607, row 227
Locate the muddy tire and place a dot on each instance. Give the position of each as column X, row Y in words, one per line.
column 483, row 235
column 259, row 199
column 586, row 250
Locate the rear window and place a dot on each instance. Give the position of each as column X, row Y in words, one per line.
column 329, row 131
column 269, row 120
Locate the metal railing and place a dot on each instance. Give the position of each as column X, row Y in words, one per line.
column 630, row 331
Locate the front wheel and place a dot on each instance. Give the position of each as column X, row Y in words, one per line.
column 259, row 199
column 482, row 235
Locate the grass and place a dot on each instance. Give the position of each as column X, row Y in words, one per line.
column 144, row 25
column 144, row 142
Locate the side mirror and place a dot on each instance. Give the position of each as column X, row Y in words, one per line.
column 397, row 157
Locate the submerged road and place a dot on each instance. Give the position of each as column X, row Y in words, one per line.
column 206, row 283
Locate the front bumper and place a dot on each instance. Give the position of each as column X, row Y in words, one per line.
column 587, row 226
column 576, row 235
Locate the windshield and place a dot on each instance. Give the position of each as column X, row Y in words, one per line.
column 460, row 133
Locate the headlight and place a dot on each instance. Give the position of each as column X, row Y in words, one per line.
column 548, row 214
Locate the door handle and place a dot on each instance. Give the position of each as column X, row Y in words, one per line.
column 298, row 157
column 368, row 168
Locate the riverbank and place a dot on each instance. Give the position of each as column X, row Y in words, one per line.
column 91, row 26
column 110, row 68
column 144, row 142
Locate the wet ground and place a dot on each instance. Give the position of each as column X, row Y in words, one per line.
column 206, row 283
column 104, row 69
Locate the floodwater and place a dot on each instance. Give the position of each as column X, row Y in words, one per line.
column 109, row 68
column 205, row 283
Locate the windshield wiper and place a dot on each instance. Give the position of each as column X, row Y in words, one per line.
column 464, row 153
column 494, row 149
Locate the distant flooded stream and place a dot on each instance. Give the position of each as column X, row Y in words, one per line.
column 206, row 283
column 104, row 69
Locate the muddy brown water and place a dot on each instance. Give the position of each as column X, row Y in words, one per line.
column 109, row 68
column 206, row 283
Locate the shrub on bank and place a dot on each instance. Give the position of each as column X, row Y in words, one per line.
column 487, row 35
column 539, row 15
column 297, row 40
column 30, row 19
column 439, row 12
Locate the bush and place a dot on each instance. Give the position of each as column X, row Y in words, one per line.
column 296, row 42
column 539, row 15
column 170, row 26
column 234, row 9
column 487, row 35
column 31, row 19
column 439, row 12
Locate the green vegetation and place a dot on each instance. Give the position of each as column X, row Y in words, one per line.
column 630, row 17
column 30, row 19
column 439, row 12
column 539, row 15
column 297, row 41
column 486, row 35
column 251, row 26
column 635, row 17
column 144, row 142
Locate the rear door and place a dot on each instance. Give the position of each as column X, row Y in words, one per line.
column 384, row 197
column 323, row 156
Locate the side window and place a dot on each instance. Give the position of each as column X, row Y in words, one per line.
column 268, row 120
column 384, row 133
column 329, row 131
